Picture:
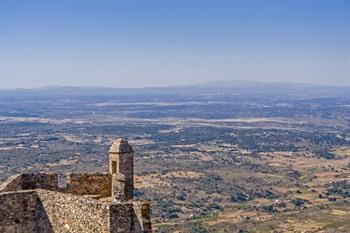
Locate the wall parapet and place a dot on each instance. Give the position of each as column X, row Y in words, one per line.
column 30, row 181
column 13, row 183
column 98, row 184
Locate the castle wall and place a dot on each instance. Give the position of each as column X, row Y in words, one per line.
column 43, row 211
column 89, row 184
column 47, row 181
column 22, row 212
column 33, row 203
column 13, row 183
column 73, row 213
column 121, row 218
column 142, row 217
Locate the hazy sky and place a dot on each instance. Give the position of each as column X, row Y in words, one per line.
column 126, row 43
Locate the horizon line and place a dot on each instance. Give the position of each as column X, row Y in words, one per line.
column 174, row 86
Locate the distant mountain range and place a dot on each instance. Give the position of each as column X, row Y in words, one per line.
column 235, row 87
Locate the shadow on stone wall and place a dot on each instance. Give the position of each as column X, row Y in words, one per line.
column 75, row 213
column 23, row 212
column 29, row 181
column 141, row 217
column 42, row 221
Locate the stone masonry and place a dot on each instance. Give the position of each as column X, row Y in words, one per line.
column 121, row 167
column 91, row 202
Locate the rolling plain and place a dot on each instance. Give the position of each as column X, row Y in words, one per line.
column 209, row 160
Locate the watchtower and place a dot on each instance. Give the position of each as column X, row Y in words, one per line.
column 121, row 168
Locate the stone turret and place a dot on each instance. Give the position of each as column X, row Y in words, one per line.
column 121, row 168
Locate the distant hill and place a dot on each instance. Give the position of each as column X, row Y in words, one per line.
column 235, row 87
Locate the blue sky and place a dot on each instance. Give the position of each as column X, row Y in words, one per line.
column 134, row 43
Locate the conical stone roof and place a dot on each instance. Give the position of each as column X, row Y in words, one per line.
column 120, row 146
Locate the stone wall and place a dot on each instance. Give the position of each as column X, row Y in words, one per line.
column 12, row 183
column 98, row 184
column 121, row 218
column 118, row 187
column 142, row 216
column 121, row 161
column 22, row 212
column 43, row 211
column 47, row 181
column 72, row 213
column 32, row 203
